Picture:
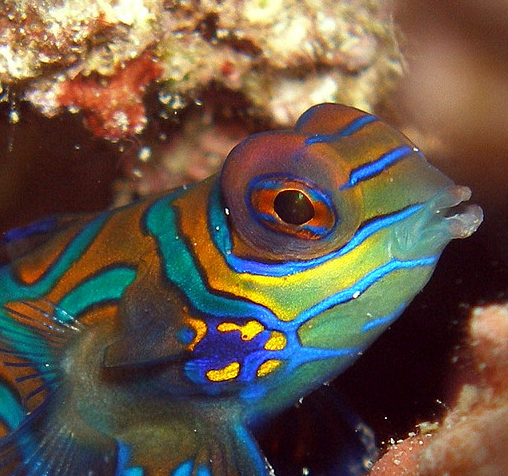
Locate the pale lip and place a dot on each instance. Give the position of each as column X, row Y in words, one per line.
column 467, row 220
column 442, row 218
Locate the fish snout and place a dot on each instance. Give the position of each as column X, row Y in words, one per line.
column 440, row 219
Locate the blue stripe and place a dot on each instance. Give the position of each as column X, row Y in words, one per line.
column 361, row 286
column 381, row 321
column 351, row 128
column 241, row 265
column 374, row 168
column 44, row 225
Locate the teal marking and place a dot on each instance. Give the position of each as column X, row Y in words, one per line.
column 16, row 291
column 185, row 469
column 12, row 290
column 12, row 413
column 181, row 271
column 10, row 409
column 106, row 286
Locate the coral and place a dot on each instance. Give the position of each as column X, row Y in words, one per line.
column 473, row 437
column 402, row 457
column 40, row 38
column 281, row 55
column 113, row 107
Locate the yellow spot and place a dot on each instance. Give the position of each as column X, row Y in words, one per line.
column 277, row 341
column 229, row 372
column 268, row 366
column 199, row 327
column 248, row 331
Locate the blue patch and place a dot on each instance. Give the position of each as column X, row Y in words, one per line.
column 185, row 469
column 203, row 471
column 123, row 458
column 186, row 335
column 37, row 228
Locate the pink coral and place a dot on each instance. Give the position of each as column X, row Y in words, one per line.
column 402, row 458
column 473, row 438
column 113, row 106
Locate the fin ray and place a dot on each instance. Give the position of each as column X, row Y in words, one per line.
column 32, row 342
column 239, row 454
column 43, row 445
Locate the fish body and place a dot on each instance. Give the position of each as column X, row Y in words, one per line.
column 145, row 340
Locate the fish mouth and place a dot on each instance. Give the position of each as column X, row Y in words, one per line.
column 442, row 218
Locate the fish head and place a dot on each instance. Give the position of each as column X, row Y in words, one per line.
column 280, row 270
column 347, row 214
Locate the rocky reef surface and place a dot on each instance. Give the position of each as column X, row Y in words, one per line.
column 282, row 56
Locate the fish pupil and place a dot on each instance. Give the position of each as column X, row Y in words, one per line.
column 293, row 207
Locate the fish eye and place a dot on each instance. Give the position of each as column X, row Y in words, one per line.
column 293, row 207
column 281, row 192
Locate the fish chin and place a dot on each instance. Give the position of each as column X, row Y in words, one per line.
column 442, row 218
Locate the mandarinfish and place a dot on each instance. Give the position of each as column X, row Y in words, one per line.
column 144, row 341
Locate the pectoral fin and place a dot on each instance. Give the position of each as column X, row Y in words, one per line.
column 44, row 446
column 208, row 449
column 40, row 439
column 150, row 345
